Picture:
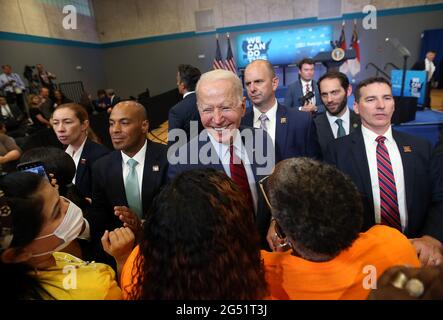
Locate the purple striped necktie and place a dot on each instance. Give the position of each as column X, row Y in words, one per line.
column 389, row 212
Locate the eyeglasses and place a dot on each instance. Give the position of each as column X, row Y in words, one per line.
column 278, row 230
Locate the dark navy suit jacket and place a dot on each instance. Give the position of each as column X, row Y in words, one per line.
column 324, row 130
column 182, row 113
column 295, row 134
column 108, row 188
column 295, row 92
column 91, row 152
column 423, row 195
column 256, row 154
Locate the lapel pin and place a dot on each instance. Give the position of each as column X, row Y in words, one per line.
column 355, row 125
column 283, row 120
column 407, row 149
column 83, row 161
column 155, row 168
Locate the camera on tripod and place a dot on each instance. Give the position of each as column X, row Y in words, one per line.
column 308, row 96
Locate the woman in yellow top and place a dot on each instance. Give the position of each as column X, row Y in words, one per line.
column 35, row 224
column 199, row 242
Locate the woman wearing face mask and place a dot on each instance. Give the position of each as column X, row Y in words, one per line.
column 71, row 125
column 35, row 224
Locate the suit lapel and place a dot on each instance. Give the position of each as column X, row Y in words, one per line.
column 354, row 121
column 248, row 119
column 324, row 127
column 151, row 167
column 82, row 163
column 116, row 183
column 360, row 160
column 281, row 131
column 408, row 161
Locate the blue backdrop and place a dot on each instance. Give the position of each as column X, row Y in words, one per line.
column 283, row 47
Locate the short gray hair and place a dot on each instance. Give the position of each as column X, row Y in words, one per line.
column 219, row 74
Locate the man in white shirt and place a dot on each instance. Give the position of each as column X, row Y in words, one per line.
column 427, row 65
column 244, row 154
column 299, row 89
column 338, row 120
column 13, row 87
column 292, row 132
column 392, row 171
column 125, row 181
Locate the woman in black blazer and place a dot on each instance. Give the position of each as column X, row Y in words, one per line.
column 71, row 125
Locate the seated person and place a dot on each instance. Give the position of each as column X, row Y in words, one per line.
column 318, row 213
column 9, row 151
column 195, row 245
column 60, row 98
column 36, row 224
column 36, row 114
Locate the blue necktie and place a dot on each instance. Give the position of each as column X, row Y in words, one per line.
column 341, row 131
column 132, row 189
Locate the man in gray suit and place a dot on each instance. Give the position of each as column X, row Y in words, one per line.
column 338, row 120
column 299, row 89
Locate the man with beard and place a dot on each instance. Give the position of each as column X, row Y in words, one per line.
column 338, row 120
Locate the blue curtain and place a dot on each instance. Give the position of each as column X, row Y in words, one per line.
column 433, row 40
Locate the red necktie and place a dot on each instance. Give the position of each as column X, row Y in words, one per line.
column 389, row 212
column 238, row 175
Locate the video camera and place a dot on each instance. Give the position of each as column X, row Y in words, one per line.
column 308, row 96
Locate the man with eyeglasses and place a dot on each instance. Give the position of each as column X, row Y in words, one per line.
column 244, row 154
column 338, row 120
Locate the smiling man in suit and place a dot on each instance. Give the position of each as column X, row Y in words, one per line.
column 292, row 132
column 393, row 172
column 245, row 154
column 338, row 120
column 126, row 180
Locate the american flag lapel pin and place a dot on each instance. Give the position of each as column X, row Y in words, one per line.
column 83, row 161
column 155, row 168
column 407, row 149
column 283, row 120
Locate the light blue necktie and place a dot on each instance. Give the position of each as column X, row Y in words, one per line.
column 132, row 189
column 341, row 131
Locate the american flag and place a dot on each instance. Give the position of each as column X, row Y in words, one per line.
column 218, row 60
column 354, row 64
column 230, row 61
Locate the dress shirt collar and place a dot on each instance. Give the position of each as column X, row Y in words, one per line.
column 139, row 156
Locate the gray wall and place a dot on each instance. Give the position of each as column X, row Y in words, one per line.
column 131, row 69
column 58, row 59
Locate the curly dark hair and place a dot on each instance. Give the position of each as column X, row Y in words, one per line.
column 18, row 193
column 200, row 242
column 189, row 75
column 316, row 205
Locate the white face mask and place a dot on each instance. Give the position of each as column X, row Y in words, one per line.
column 68, row 230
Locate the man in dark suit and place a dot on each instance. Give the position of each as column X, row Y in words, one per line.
column 292, row 132
column 300, row 88
column 427, row 65
column 392, row 171
column 125, row 181
column 181, row 115
column 245, row 156
column 338, row 120
column 113, row 99
column 13, row 119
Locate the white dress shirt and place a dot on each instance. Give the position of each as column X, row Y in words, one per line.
column 430, row 68
column 303, row 85
column 397, row 166
column 6, row 111
column 240, row 151
column 271, row 123
column 140, row 158
column 346, row 121
column 75, row 155
column 187, row 94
